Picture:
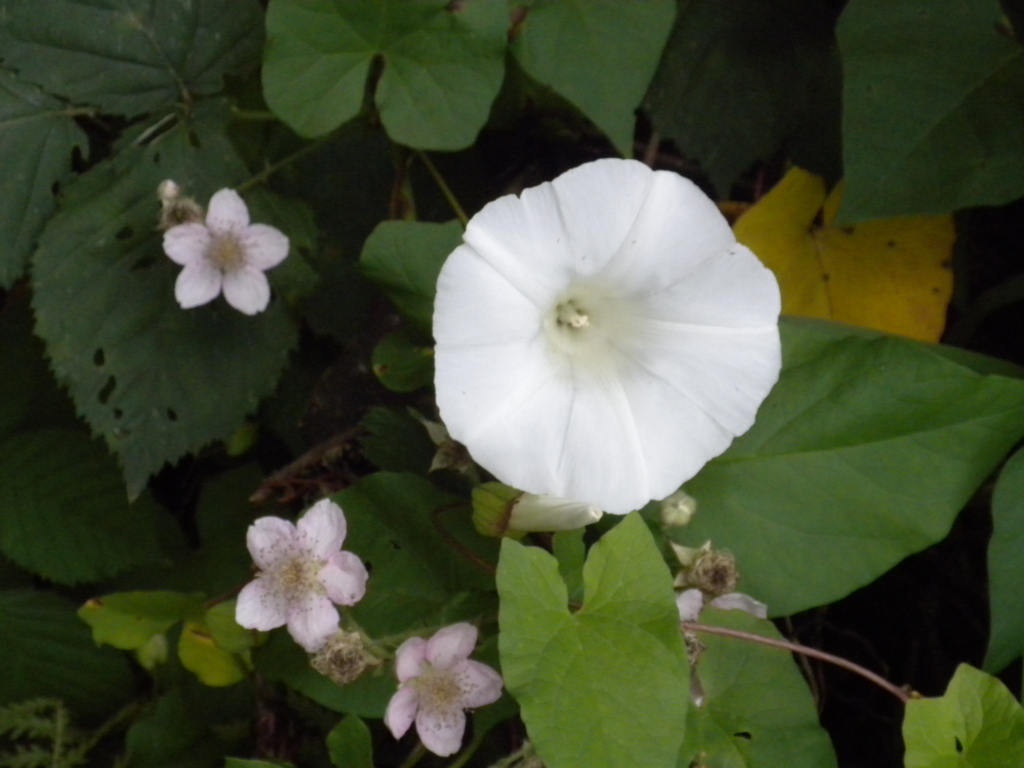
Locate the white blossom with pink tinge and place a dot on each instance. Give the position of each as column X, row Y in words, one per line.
column 438, row 683
column 303, row 572
column 225, row 253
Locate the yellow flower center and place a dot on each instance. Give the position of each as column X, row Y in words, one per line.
column 226, row 252
column 439, row 689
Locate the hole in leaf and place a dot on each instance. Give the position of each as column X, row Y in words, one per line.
column 193, row 139
column 108, row 388
column 369, row 566
column 125, row 233
column 743, row 735
column 118, row 413
column 144, row 263
column 395, row 544
column 959, row 746
column 172, row 414
column 98, row 358
column 156, row 158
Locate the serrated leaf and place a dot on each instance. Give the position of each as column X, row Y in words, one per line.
column 622, row 652
column 401, row 364
column 1006, row 567
column 65, row 515
column 128, row 620
column 599, row 54
column 130, row 56
column 349, row 744
column 730, row 95
column 156, row 381
column 977, row 723
column 892, row 275
column 37, row 136
column 933, row 102
column 863, row 453
column 49, row 652
column 404, row 258
column 200, row 655
column 757, row 709
column 442, row 67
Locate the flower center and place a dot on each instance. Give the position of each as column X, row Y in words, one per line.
column 439, row 689
column 569, row 314
column 590, row 326
column 298, row 576
column 226, row 252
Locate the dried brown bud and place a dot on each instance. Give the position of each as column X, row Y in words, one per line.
column 714, row 572
column 343, row 658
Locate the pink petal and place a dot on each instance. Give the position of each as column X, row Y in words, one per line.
column 197, row 284
column 261, row 606
column 322, row 529
column 344, row 578
column 451, row 645
column 247, row 290
column 409, row 658
column 401, row 711
column 480, row 684
column 312, row 620
column 441, row 732
column 271, row 540
column 689, row 604
column 227, row 211
column 264, row 246
column 186, row 243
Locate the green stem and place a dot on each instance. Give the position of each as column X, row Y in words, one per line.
column 285, row 161
column 415, row 756
column 468, row 752
column 443, row 185
column 839, row 661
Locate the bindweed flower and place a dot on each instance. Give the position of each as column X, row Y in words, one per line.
column 303, row 572
column 224, row 253
column 438, row 683
column 498, row 509
column 602, row 336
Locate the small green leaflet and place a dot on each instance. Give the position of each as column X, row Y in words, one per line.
column 1006, row 567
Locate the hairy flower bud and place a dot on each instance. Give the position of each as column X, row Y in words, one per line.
column 176, row 208
column 343, row 658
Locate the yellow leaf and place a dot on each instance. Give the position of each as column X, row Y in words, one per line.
column 891, row 275
column 200, row 655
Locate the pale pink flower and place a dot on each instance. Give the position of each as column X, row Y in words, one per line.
column 438, row 683
column 303, row 572
column 226, row 253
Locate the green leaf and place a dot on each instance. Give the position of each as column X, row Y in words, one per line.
column 622, row 652
column 49, row 652
column 568, row 549
column 757, row 709
column 862, row 454
column 294, row 278
column 171, row 735
column 1006, row 567
column 349, row 744
column 442, row 68
column 238, row 762
column 37, row 136
column 394, row 523
column 131, row 56
column 932, row 108
column 65, row 515
column 404, row 258
column 397, row 442
column 730, row 95
column 401, row 364
column 599, row 54
column 156, row 381
column 226, row 632
column 127, row 620
column 200, row 655
column 976, row 724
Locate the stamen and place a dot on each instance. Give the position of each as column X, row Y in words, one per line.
column 571, row 315
column 226, row 253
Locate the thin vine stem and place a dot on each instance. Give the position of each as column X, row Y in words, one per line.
column 415, row 756
column 443, row 185
column 452, row 542
column 468, row 752
column 285, row 161
column 804, row 650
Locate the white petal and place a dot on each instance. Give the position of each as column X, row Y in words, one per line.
column 322, row 529
column 451, row 644
column 409, row 658
column 247, row 290
column 261, row 606
column 401, row 711
column 741, row 602
column 264, row 246
column 441, row 732
column 480, row 684
column 677, row 229
column 186, row 243
column 197, row 284
column 531, row 512
column 344, row 578
column 689, row 602
column 271, row 541
column 312, row 620
column 227, row 211
column 523, row 238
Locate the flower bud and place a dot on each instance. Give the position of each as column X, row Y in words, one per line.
column 714, row 572
column 678, row 509
column 343, row 658
column 531, row 512
column 176, row 208
column 153, row 652
column 492, row 508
